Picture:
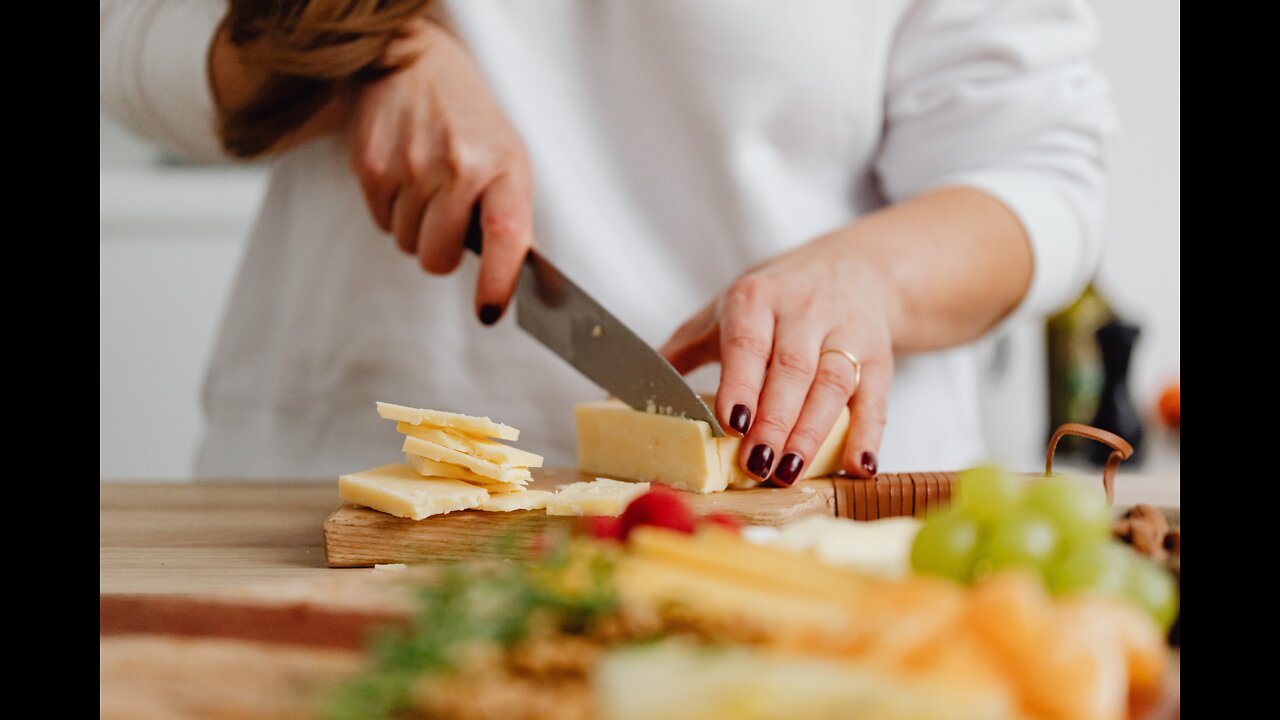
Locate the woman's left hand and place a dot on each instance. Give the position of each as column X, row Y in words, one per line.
column 778, row 387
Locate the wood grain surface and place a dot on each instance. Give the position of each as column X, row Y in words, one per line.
column 219, row 536
column 150, row 677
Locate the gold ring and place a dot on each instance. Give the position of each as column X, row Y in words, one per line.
column 857, row 366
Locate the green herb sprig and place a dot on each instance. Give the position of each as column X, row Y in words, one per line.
column 477, row 604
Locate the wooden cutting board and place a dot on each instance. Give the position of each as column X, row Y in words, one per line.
column 359, row 537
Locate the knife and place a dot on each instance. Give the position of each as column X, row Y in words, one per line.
column 569, row 322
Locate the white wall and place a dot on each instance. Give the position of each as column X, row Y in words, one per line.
column 1141, row 271
column 171, row 239
column 170, row 243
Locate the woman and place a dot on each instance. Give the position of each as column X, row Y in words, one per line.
column 840, row 186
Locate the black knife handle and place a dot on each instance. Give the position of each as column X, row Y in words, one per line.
column 475, row 236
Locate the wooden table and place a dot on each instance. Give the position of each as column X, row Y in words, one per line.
column 215, row 536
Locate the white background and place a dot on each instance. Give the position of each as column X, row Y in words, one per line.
column 171, row 239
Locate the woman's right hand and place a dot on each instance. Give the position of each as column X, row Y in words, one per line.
column 428, row 143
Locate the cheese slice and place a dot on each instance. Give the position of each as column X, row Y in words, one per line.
column 433, row 469
column 506, row 502
column 484, row 468
column 619, row 441
column 483, row 448
column 482, row 426
column 399, row 490
column 601, row 497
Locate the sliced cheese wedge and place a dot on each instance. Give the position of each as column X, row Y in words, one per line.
column 506, row 502
column 434, row 469
column 482, row 426
column 619, row 441
column 399, row 490
column 483, row 448
column 484, row 468
column 601, row 497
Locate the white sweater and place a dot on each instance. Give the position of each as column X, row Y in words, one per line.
column 674, row 144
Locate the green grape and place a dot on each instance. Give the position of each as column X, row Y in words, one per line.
column 1024, row 540
column 1080, row 512
column 987, row 493
column 1151, row 586
column 1096, row 567
column 946, row 545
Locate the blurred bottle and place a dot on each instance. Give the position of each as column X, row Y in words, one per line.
column 1116, row 409
column 1075, row 366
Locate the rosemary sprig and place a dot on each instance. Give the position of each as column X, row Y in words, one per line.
column 478, row 603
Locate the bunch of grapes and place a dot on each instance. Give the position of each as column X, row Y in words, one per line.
column 1056, row 528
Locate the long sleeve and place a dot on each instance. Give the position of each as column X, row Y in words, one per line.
column 153, row 71
column 1000, row 95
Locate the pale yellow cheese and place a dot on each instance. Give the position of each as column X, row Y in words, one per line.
column 619, row 441
column 506, row 502
column 483, row 448
column 482, row 426
column 600, row 497
column 615, row 440
column 434, row 469
column 484, row 468
column 399, row 490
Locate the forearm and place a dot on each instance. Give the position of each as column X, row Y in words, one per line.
column 949, row 265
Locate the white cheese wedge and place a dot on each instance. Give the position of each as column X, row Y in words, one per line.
column 482, row 426
column 619, row 441
column 399, row 490
column 484, row 468
column 600, row 497
column 483, row 448
column 880, row 547
column 434, row 469
column 506, row 502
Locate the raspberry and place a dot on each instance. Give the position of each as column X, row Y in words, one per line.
column 660, row 508
column 603, row 528
column 724, row 520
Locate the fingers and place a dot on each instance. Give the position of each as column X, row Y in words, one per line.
column 376, row 164
column 790, row 375
column 444, row 225
column 694, row 343
column 867, row 419
column 746, row 341
column 406, row 220
column 833, row 384
column 506, row 221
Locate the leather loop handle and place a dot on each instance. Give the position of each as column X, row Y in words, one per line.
column 1120, row 451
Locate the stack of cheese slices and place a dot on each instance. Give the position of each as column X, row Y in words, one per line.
column 456, row 462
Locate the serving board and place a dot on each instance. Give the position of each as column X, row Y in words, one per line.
column 359, row 537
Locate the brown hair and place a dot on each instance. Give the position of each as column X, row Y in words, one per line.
column 312, row 50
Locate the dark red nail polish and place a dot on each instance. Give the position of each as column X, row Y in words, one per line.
column 760, row 461
column 788, row 470
column 740, row 418
column 869, row 462
column 489, row 314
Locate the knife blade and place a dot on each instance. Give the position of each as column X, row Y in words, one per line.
column 568, row 321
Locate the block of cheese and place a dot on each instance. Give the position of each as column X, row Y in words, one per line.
column 399, row 490
column 599, row 497
column 619, row 441
column 506, row 502
column 484, row 468
column 434, row 469
column 483, row 448
column 482, row 426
